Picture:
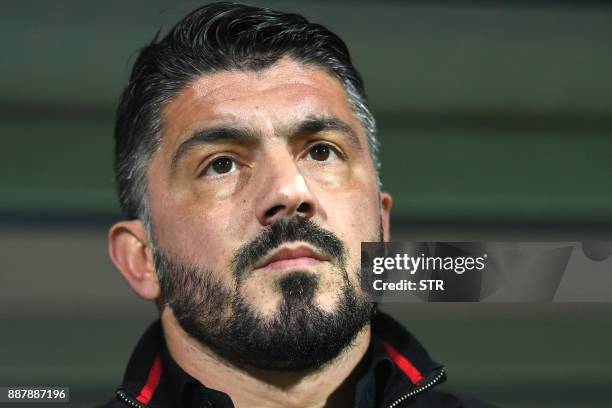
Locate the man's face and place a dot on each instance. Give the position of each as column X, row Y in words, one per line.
column 264, row 184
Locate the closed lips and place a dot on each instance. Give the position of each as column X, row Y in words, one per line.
column 287, row 257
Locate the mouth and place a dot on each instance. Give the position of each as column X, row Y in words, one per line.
column 292, row 256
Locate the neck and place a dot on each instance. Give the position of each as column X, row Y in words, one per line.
column 330, row 386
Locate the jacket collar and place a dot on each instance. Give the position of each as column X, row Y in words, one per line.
column 399, row 366
column 414, row 370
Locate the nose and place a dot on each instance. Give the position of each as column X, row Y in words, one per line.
column 284, row 192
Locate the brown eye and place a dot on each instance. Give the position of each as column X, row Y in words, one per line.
column 320, row 152
column 221, row 165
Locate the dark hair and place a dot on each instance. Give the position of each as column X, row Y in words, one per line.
column 217, row 37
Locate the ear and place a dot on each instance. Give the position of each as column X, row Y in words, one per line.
column 386, row 202
column 130, row 250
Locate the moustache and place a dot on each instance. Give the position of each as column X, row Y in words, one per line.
column 283, row 231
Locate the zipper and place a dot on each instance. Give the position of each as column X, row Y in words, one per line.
column 420, row 389
column 123, row 396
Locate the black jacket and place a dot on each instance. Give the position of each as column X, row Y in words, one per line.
column 400, row 374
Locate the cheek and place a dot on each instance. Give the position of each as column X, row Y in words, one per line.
column 332, row 176
column 196, row 237
column 356, row 219
column 199, row 228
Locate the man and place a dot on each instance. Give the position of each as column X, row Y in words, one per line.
column 246, row 164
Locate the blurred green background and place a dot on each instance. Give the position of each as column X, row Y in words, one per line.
column 495, row 120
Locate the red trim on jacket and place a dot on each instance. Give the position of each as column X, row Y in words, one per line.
column 402, row 362
column 146, row 393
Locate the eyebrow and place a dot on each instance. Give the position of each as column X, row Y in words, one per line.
column 316, row 124
column 243, row 135
column 216, row 135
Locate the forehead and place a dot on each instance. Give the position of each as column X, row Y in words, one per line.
column 277, row 96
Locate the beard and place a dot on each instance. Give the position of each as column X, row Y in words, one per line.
column 299, row 335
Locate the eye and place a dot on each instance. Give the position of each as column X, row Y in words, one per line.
column 322, row 152
column 221, row 165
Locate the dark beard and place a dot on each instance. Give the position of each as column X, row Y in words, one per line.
column 299, row 336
